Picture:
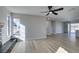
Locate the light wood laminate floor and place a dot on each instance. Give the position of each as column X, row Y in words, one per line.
column 51, row 44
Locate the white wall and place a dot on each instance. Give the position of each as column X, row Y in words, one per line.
column 35, row 25
column 54, row 27
column 3, row 16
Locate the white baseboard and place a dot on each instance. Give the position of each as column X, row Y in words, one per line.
column 36, row 38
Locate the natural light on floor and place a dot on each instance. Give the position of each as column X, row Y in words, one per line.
column 61, row 50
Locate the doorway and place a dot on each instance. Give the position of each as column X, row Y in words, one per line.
column 72, row 27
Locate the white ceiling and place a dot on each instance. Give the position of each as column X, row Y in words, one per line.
column 69, row 12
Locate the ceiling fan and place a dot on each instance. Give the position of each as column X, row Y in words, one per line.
column 53, row 11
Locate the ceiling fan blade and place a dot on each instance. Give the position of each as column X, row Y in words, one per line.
column 47, row 14
column 54, row 13
column 58, row 9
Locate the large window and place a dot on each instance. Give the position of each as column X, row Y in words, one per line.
column 74, row 27
column 16, row 26
column 18, row 29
